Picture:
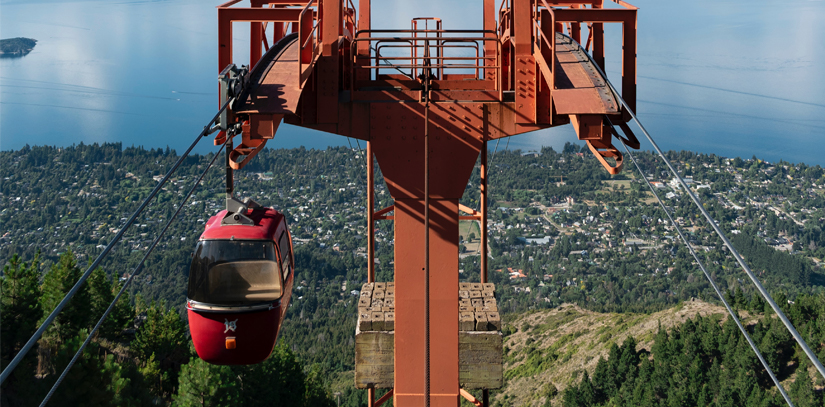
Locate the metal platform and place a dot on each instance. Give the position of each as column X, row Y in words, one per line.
column 276, row 87
column 580, row 89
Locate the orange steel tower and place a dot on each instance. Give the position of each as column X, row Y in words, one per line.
column 428, row 100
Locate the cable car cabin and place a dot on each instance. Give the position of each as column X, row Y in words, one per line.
column 240, row 284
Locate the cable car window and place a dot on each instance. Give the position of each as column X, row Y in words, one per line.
column 234, row 272
column 283, row 243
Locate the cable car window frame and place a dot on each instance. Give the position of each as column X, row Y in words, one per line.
column 198, row 290
column 285, row 251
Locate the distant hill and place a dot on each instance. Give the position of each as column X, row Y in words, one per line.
column 17, row 46
column 576, row 338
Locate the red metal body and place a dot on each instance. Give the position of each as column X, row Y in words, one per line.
column 252, row 331
column 268, row 224
column 254, row 336
column 524, row 69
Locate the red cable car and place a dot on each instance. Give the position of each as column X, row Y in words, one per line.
column 240, row 284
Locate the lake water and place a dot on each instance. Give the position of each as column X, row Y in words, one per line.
column 735, row 78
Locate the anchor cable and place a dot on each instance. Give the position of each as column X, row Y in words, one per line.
column 762, row 291
column 36, row 336
column 135, row 272
column 712, row 283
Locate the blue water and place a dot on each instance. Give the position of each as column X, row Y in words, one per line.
column 735, row 78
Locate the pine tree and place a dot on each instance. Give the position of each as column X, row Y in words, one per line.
column 160, row 344
column 127, row 383
column 102, row 293
column 802, row 390
column 280, row 380
column 122, row 316
column 88, row 383
column 20, row 303
column 56, row 284
column 19, row 299
column 202, row 384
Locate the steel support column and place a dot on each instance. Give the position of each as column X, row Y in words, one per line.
column 327, row 71
column 363, row 50
column 524, row 62
column 629, row 61
column 255, row 39
column 598, row 39
column 410, row 339
column 397, row 137
column 370, row 220
column 490, row 47
column 483, row 210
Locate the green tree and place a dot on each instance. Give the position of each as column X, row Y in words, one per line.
column 202, row 384
column 280, row 380
column 19, row 300
column 57, row 282
column 89, row 383
column 802, row 390
column 160, row 345
column 20, row 304
column 102, row 293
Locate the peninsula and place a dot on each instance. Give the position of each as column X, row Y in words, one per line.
column 16, row 46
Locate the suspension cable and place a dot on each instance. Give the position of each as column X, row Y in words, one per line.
column 799, row 340
column 712, row 283
column 366, row 160
column 506, row 146
column 135, row 272
column 489, row 165
column 27, row 347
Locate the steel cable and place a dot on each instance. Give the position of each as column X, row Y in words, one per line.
column 799, row 340
column 36, row 336
column 712, row 283
column 135, row 272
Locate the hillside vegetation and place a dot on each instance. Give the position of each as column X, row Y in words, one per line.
column 141, row 356
column 561, row 231
column 689, row 355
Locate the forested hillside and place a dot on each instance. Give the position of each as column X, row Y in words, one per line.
column 141, row 355
column 562, row 231
column 689, row 355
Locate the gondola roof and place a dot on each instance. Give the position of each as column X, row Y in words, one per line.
column 266, row 224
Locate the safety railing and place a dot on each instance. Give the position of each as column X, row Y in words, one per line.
column 567, row 17
column 308, row 40
column 283, row 16
column 570, row 15
column 350, row 19
column 410, row 52
column 504, row 19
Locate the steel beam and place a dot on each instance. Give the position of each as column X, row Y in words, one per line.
column 327, row 70
column 524, row 63
column 483, row 210
column 370, row 215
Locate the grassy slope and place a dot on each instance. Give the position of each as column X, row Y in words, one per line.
column 553, row 346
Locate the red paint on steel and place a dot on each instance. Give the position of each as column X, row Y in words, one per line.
column 370, row 215
column 254, row 334
column 279, row 90
column 483, row 209
column 254, row 331
column 384, row 398
column 522, row 80
column 268, row 225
